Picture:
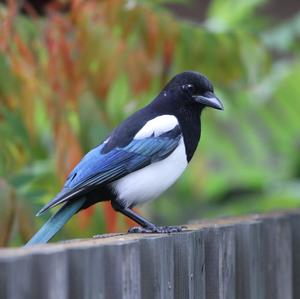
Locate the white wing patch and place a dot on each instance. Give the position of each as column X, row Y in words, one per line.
column 157, row 126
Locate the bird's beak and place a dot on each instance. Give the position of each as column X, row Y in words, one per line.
column 209, row 99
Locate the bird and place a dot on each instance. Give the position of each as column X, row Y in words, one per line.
column 140, row 159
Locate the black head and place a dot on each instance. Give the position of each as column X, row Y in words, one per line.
column 196, row 88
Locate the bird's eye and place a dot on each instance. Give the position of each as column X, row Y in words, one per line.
column 190, row 88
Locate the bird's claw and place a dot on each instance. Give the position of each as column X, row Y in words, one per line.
column 156, row 229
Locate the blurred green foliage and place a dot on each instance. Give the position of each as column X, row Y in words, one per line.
column 67, row 79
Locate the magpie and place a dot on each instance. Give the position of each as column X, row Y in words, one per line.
column 140, row 159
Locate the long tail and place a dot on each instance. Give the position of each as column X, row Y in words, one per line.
column 56, row 222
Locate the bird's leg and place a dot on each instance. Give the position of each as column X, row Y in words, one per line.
column 146, row 226
column 132, row 215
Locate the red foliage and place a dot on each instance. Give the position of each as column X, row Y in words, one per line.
column 87, row 47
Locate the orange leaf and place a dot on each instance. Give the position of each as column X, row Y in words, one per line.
column 68, row 150
column 111, row 218
column 85, row 217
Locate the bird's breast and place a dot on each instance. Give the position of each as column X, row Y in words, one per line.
column 149, row 182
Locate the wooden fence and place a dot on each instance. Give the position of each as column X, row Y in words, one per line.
column 256, row 257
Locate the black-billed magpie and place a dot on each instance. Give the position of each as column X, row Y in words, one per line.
column 140, row 159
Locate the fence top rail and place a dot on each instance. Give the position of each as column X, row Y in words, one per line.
column 123, row 238
column 253, row 257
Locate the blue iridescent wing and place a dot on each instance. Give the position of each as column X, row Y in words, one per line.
column 96, row 169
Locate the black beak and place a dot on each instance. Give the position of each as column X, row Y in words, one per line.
column 209, row 99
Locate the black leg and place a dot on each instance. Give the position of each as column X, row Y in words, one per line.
column 132, row 215
column 147, row 226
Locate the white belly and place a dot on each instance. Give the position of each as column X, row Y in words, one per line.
column 148, row 183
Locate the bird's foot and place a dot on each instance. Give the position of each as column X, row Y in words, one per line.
column 103, row 236
column 156, row 229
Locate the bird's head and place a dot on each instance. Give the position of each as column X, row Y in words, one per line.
column 196, row 88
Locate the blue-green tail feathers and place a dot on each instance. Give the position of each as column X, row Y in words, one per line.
column 56, row 222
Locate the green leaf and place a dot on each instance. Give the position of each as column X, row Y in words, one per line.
column 118, row 98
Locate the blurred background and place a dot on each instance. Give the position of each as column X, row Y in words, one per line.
column 72, row 70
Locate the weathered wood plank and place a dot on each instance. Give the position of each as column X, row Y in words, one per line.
column 277, row 257
column 220, row 262
column 249, row 261
column 294, row 220
column 15, row 271
column 49, row 275
column 254, row 257
column 189, row 259
column 157, row 267
column 86, row 273
column 37, row 275
column 122, row 270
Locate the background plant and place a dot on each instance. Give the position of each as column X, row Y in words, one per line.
column 66, row 79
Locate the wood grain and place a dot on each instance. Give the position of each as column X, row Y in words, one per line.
column 253, row 257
